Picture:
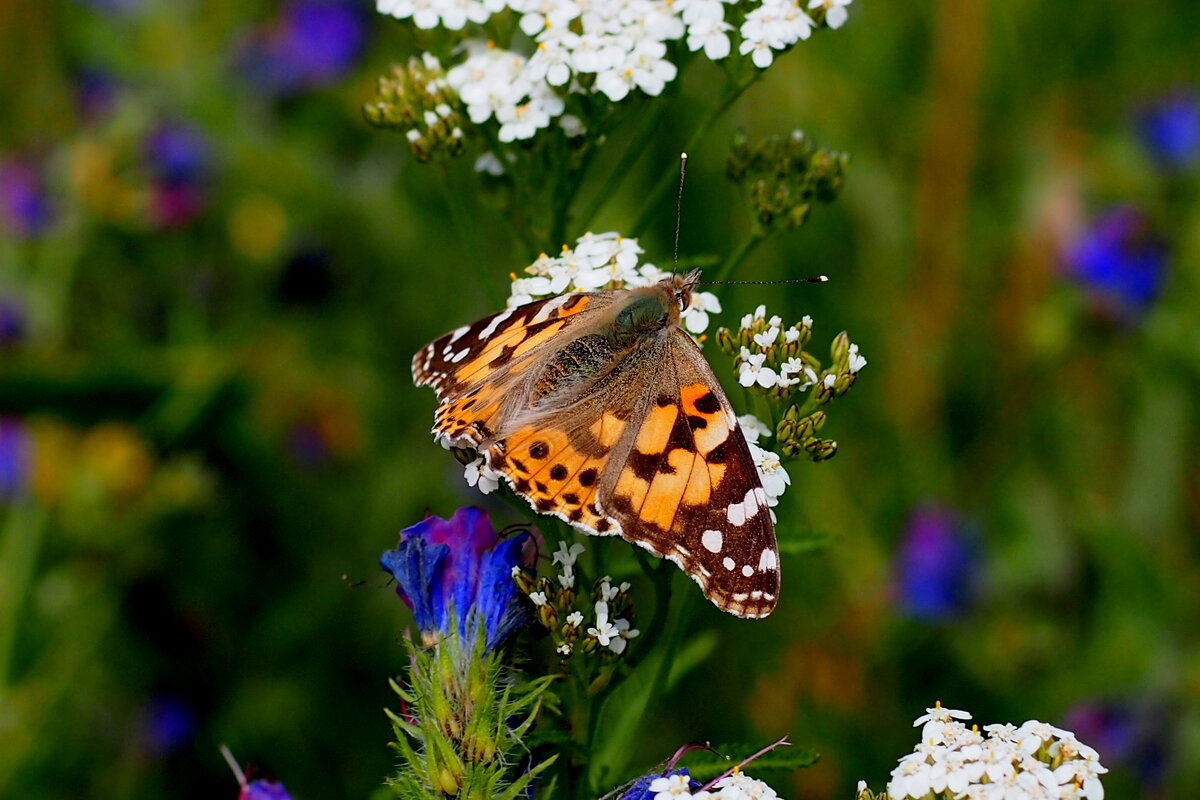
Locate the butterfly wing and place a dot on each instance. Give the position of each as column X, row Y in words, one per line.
column 477, row 369
column 655, row 455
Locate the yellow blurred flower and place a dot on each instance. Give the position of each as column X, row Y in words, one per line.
column 257, row 226
column 115, row 454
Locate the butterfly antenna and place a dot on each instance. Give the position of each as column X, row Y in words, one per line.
column 679, row 207
column 813, row 279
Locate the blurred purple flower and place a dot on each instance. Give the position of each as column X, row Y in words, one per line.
column 1130, row 735
column 12, row 322
column 95, row 95
column 1120, row 261
column 1169, row 129
column 112, row 6
column 16, row 458
column 311, row 44
column 264, row 790
column 178, row 157
column 458, row 570
column 936, row 565
column 167, row 724
column 24, row 207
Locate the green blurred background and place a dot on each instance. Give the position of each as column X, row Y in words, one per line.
column 213, row 275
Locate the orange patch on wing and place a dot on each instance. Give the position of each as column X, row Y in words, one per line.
column 693, row 392
column 656, row 430
column 541, row 336
column 574, row 306
column 631, row 487
column 607, row 429
column 668, row 490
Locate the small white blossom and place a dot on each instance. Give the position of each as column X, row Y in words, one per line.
column 767, row 337
column 669, row 787
column 740, row 786
column 753, row 371
column 835, row 11
column 538, row 598
column 794, row 372
column 695, row 316
column 567, row 555
column 856, row 361
column 753, row 428
column 575, row 619
column 481, row 476
column 771, row 473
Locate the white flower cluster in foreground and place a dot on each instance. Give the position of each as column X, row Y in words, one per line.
column 610, row 630
column 1035, row 761
column 737, row 786
column 771, row 473
column 603, row 261
column 611, row 47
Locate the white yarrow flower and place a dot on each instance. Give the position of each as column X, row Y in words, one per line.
column 835, row 11
column 856, row 361
column 482, row 477
column 695, row 316
column 771, row 473
column 753, row 428
column 753, row 371
column 670, row 786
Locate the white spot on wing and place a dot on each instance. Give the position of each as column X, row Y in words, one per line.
column 769, row 560
column 550, row 307
column 496, row 322
column 729, row 563
column 457, row 334
column 712, row 541
column 747, row 570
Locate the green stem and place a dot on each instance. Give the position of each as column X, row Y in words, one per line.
column 19, row 550
column 667, row 179
column 660, row 575
column 466, row 229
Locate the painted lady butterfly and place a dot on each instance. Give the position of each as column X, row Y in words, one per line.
column 598, row 408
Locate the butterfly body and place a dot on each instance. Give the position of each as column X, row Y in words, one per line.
column 598, row 408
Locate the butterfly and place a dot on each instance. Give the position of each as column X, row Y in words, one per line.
column 599, row 409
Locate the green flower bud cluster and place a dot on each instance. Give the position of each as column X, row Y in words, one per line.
column 461, row 732
column 785, row 175
column 772, row 361
column 416, row 100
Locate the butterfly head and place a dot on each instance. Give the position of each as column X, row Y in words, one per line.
column 679, row 287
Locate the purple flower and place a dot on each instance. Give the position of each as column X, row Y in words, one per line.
column 95, row 95
column 178, row 157
column 311, row 44
column 12, row 322
column 1132, row 735
column 935, row 568
column 16, row 458
column 1169, row 129
column 24, row 207
column 1120, row 261
column 458, row 570
column 167, row 724
column 263, row 790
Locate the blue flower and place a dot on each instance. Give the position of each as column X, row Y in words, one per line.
column 935, row 569
column 1131, row 734
column 1169, row 129
column 167, row 724
column 16, row 458
column 24, row 207
column 1120, row 261
column 458, row 570
column 264, row 790
column 640, row 790
column 313, row 43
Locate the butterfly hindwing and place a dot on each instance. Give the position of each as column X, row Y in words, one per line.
column 689, row 491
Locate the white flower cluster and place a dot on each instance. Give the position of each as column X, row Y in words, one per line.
column 616, row 632
column 753, row 368
column 737, row 786
column 603, row 261
column 610, row 47
column 771, row 474
column 1035, row 761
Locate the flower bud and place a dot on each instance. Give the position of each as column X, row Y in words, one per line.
column 839, row 351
